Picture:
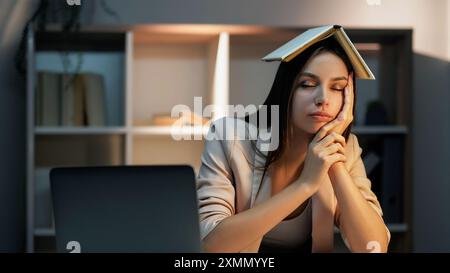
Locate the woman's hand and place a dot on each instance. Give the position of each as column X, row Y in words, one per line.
column 324, row 150
column 346, row 114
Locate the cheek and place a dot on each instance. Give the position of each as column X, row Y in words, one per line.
column 336, row 103
column 300, row 103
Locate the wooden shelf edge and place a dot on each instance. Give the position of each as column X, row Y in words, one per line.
column 44, row 232
column 79, row 130
column 379, row 130
column 393, row 228
column 168, row 130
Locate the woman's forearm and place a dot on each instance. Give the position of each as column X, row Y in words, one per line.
column 360, row 222
column 237, row 232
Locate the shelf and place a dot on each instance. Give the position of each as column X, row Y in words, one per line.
column 44, row 232
column 166, row 151
column 171, row 131
column 55, row 150
column 380, row 130
column 393, row 228
column 137, row 130
column 398, row 227
column 79, row 130
column 187, row 130
column 82, row 41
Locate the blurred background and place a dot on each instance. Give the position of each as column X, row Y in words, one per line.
column 93, row 83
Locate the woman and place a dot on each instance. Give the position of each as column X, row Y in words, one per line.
column 289, row 199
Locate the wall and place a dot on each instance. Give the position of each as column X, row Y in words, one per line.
column 427, row 18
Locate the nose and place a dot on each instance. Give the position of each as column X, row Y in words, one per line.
column 321, row 97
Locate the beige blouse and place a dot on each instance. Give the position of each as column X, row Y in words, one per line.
column 291, row 233
column 227, row 183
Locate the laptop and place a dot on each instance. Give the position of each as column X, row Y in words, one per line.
column 125, row 209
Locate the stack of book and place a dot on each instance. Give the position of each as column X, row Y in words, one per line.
column 187, row 118
column 70, row 99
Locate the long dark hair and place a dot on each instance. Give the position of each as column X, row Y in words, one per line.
column 282, row 91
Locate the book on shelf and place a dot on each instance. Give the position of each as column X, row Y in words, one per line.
column 95, row 99
column 47, row 98
column 70, row 99
column 165, row 119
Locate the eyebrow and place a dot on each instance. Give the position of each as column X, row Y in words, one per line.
column 316, row 77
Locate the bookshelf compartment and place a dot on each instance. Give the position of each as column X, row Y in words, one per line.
column 79, row 150
column 166, row 74
column 149, row 150
column 377, row 101
column 80, row 88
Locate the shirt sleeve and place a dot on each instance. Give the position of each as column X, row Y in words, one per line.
column 358, row 173
column 215, row 188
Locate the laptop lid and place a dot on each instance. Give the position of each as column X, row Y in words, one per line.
column 125, row 209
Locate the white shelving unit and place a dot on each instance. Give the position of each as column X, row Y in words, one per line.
column 161, row 66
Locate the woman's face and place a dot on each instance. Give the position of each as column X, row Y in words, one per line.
column 319, row 92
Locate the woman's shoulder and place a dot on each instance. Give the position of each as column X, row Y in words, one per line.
column 353, row 144
column 233, row 133
column 352, row 150
column 233, row 128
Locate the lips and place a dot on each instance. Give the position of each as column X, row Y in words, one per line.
column 320, row 116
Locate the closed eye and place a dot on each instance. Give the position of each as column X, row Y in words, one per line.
column 313, row 86
column 339, row 90
column 307, row 85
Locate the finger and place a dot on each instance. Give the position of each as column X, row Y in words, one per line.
column 332, row 138
column 351, row 91
column 334, row 148
column 341, row 139
column 327, row 140
column 351, row 81
column 326, row 129
column 347, row 100
column 336, row 158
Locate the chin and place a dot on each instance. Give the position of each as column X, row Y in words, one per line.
column 312, row 130
column 315, row 130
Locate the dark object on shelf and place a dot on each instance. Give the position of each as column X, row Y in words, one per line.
column 376, row 114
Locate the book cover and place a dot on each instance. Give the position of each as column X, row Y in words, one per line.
column 294, row 47
column 94, row 93
column 72, row 113
column 47, row 108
